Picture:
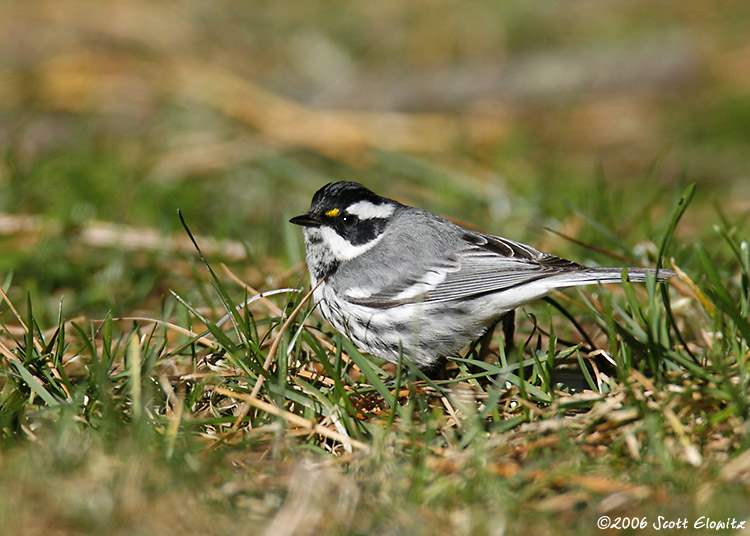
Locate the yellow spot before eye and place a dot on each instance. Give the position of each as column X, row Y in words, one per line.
column 333, row 213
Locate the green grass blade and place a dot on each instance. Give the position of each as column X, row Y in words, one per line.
column 35, row 385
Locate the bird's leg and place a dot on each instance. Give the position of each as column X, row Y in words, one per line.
column 509, row 330
column 437, row 369
column 485, row 341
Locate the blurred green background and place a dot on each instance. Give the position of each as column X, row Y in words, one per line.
column 511, row 115
column 586, row 117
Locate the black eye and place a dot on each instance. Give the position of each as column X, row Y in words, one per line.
column 350, row 220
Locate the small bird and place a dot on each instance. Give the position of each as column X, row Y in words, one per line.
column 398, row 280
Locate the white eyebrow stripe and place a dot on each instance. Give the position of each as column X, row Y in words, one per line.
column 366, row 210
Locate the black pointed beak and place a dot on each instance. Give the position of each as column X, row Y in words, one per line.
column 306, row 220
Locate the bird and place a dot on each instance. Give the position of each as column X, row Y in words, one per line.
column 405, row 284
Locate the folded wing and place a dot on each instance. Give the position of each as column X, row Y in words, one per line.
column 485, row 265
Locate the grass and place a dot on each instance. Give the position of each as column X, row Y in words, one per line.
column 138, row 395
column 144, row 425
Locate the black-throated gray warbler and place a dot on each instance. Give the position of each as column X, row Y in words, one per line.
column 397, row 279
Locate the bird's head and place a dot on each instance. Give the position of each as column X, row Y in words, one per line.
column 344, row 221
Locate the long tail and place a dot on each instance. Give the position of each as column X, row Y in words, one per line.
column 592, row 276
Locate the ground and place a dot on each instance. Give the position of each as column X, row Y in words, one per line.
column 607, row 134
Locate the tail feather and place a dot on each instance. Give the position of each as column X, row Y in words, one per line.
column 592, row 276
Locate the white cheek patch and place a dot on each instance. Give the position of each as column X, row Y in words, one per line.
column 341, row 249
column 365, row 210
